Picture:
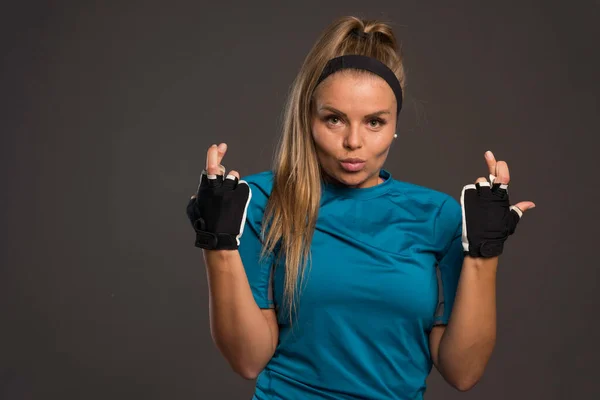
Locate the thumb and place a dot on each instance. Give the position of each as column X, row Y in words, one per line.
column 525, row 205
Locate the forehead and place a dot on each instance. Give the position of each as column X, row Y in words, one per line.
column 351, row 88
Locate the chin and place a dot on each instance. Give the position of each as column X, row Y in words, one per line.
column 352, row 179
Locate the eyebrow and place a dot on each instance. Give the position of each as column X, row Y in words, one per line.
column 334, row 110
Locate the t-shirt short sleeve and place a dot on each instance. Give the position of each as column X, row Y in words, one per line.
column 450, row 260
column 258, row 270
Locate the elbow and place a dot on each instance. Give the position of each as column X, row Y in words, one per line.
column 464, row 374
column 465, row 385
column 247, row 373
column 466, row 382
column 245, row 369
column 462, row 380
column 239, row 363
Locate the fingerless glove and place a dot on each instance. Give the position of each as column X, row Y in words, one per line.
column 218, row 212
column 488, row 218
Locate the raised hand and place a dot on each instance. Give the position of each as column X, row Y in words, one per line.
column 488, row 216
column 218, row 208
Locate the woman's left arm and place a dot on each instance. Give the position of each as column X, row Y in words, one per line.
column 461, row 350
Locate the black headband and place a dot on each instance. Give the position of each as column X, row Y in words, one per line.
column 370, row 64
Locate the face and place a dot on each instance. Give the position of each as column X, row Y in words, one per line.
column 353, row 125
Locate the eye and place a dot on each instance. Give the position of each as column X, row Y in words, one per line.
column 376, row 122
column 332, row 119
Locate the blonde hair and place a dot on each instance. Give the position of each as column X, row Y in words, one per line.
column 292, row 210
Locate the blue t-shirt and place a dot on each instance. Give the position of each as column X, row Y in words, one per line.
column 385, row 264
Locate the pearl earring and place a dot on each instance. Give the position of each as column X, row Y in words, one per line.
column 395, row 135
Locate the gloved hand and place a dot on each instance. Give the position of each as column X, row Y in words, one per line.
column 217, row 211
column 488, row 217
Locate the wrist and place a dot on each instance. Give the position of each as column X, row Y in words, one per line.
column 486, row 263
column 220, row 256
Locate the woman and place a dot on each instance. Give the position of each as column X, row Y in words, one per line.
column 328, row 278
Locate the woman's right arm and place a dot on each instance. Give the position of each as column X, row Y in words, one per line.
column 245, row 334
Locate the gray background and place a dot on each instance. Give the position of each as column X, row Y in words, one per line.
column 107, row 109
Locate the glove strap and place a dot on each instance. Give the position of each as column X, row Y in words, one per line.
column 215, row 241
column 487, row 249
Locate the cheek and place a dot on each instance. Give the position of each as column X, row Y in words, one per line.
column 380, row 146
column 325, row 142
column 384, row 153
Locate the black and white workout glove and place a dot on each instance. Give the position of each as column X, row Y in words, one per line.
column 488, row 218
column 218, row 212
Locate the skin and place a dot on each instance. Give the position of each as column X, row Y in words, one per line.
column 461, row 350
column 245, row 335
column 353, row 116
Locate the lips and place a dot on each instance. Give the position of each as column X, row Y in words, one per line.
column 353, row 164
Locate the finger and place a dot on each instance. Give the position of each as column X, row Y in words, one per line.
column 212, row 163
column 221, row 150
column 502, row 173
column 491, row 162
column 483, row 186
column 230, row 181
column 213, row 160
column 525, row 205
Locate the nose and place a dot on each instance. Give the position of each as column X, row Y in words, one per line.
column 353, row 138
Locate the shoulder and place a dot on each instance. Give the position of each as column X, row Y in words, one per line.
column 260, row 181
column 424, row 195
column 444, row 208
